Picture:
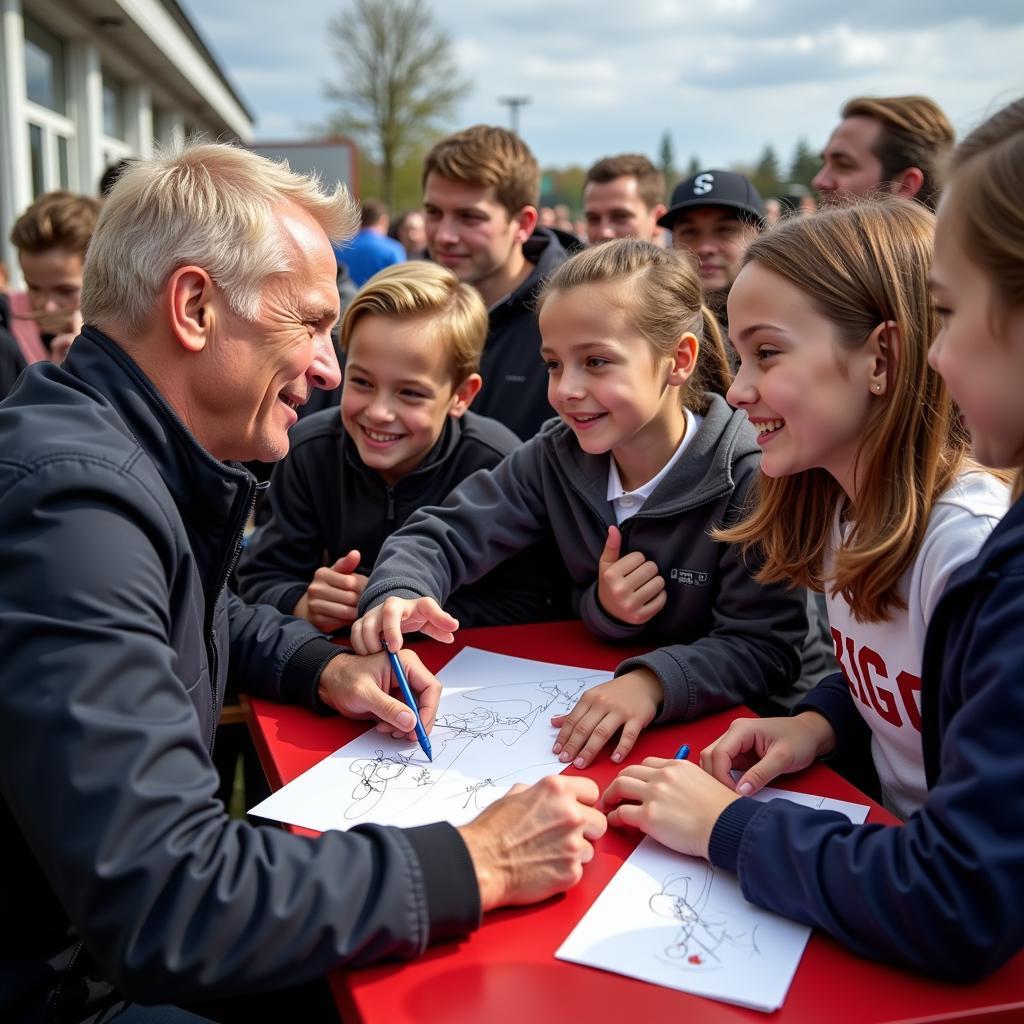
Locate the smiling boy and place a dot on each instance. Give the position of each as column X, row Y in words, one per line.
column 404, row 438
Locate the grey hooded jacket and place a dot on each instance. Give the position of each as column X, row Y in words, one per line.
column 723, row 638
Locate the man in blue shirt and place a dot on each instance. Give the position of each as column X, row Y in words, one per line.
column 371, row 249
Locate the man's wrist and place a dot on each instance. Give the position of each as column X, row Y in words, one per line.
column 489, row 879
column 327, row 679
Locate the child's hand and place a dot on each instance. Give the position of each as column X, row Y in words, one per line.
column 674, row 801
column 630, row 701
column 330, row 601
column 398, row 615
column 767, row 747
column 628, row 588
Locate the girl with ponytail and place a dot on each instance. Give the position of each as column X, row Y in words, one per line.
column 644, row 460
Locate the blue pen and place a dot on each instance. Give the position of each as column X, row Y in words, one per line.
column 403, row 685
column 682, row 753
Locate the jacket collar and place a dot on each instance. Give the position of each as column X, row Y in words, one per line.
column 209, row 493
column 705, row 474
column 544, row 249
column 422, row 475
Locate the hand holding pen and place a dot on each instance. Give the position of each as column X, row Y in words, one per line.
column 407, row 696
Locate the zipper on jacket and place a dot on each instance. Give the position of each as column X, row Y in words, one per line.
column 390, row 493
column 211, row 632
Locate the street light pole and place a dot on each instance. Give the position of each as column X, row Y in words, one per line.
column 514, row 103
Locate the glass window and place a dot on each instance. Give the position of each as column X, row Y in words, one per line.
column 113, row 107
column 35, row 146
column 44, row 67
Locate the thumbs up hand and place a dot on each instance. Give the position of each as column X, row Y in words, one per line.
column 629, row 588
column 331, row 598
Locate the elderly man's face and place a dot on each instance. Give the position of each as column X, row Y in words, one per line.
column 260, row 372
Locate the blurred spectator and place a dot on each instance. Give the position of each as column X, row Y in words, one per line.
column 411, row 233
column 51, row 237
column 888, row 144
column 480, row 193
column 715, row 215
column 113, row 173
column 772, row 211
column 623, row 197
column 371, row 250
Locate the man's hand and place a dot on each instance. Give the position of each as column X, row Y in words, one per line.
column 360, row 688
column 767, row 747
column 397, row 615
column 331, row 599
column 533, row 843
column 628, row 588
column 629, row 702
column 673, row 801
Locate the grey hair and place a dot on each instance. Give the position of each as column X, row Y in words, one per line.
column 207, row 204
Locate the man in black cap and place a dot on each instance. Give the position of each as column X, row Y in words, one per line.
column 715, row 215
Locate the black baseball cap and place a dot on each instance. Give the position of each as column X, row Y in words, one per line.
column 714, row 188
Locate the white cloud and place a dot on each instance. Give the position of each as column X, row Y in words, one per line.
column 724, row 77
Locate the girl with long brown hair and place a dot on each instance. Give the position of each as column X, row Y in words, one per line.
column 869, row 492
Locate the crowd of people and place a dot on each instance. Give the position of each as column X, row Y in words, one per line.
column 783, row 454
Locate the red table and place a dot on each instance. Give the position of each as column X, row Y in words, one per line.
column 506, row 971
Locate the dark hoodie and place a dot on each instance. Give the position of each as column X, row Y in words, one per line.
column 515, row 390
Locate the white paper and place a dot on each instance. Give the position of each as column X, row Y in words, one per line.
column 679, row 922
column 492, row 730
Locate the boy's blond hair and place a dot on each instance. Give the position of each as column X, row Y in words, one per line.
column 418, row 289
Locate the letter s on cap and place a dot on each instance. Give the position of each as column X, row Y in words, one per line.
column 703, row 184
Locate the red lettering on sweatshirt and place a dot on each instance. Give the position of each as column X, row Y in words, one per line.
column 863, row 669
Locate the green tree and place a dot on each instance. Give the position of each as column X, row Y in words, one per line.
column 397, row 80
column 767, row 172
column 667, row 160
column 805, row 164
column 694, row 166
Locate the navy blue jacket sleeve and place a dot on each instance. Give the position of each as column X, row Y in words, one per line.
column 943, row 892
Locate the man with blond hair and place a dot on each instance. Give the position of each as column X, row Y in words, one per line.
column 208, row 297
column 893, row 145
column 481, row 187
column 623, row 197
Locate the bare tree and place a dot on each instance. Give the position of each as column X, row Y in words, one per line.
column 397, row 78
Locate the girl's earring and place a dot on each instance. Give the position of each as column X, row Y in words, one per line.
column 877, row 387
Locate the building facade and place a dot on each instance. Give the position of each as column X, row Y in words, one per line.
column 84, row 83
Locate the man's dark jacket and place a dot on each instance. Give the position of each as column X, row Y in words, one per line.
column 124, row 877
column 515, row 390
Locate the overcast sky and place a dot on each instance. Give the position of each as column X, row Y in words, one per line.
column 724, row 77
